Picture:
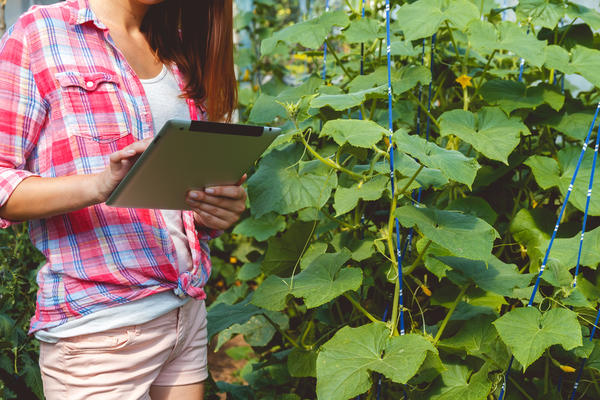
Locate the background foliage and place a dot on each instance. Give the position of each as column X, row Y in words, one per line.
column 309, row 277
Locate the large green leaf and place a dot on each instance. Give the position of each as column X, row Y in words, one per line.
column 283, row 253
column 485, row 38
column 476, row 337
column 588, row 15
column 544, row 13
column 550, row 173
column 451, row 163
column 281, row 186
column 322, row 281
column 581, row 60
column 364, row 30
column 528, row 332
column 511, row 95
column 340, row 102
column 309, row 34
column 492, row 275
column 463, row 234
column 345, row 362
column 403, row 79
column 574, row 125
column 490, row 131
column 358, row 133
column 459, row 382
column 261, row 228
column 345, row 199
column 222, row 316
column 423, row 17
column 257, row 330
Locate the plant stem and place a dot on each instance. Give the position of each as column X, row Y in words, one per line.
column 414, row 265
column 285, row 335
column 487, row 65
column 330, row 49
column 425, row 110
column 450, row 312
column 329, row 162
column 519, row 388
column 452, row 39
column 360, row 308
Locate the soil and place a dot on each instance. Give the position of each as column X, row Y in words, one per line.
column 221, row 366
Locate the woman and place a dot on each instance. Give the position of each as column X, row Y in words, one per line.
column 84, row 85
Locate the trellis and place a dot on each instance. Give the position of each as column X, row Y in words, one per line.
column 401, row 254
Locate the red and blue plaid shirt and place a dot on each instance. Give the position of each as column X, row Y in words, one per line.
column 68, row 99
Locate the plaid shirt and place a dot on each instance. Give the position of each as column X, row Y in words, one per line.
column 68, row 99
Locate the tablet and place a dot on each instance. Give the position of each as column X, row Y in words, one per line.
column 188, row 155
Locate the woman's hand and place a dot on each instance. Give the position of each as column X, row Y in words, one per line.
column 218, row 207
column 120, row 163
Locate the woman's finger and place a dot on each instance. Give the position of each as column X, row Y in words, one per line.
column 211, row 221
column 236, row 206
column 218, row 193
column 220, row 212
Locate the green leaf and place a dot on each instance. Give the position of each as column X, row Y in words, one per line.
column 540, row 12
column 574, row 125
column 565, row 250
column 452, row 163
column 476, row 206
column 459, row 382
column 485, row 38
column 257, row 331
column 302, row 364
column 261, row 228
column 511, row 95
column 265, row 110
column 364, row 30
column 361, row 249
column 309, row 34
column 423, row 18
column 588, row 15
column 281, row 186
column 464, row 235
column 346, row 199
column 345, row 362
column 314, row 250
column 403, row 79
column 222, row 316
column 550, row 173
column 528, row 332
column 249, row 271
column 490, row 132
column 340, row 102
column 283, row 254
column 322, row 281
column 403, row 48
column 492, row 275
column 358, row 133
column 476, row 336
column 406, row 166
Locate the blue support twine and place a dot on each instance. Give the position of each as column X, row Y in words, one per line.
column 562, row 210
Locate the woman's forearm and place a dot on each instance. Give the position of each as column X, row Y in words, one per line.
column 37, row 197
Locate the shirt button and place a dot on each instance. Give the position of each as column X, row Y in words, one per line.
column 89, row 84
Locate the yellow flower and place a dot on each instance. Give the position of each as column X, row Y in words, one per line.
column 233, row 260
column 464, row 81
column 567, row 368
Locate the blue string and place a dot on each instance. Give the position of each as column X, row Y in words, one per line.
column 587, row 207
column 562, row 210
column 362, row 69
column 521, row 64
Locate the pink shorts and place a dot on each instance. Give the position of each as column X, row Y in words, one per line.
column 123, row 363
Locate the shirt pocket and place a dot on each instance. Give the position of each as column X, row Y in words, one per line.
column 92, row 106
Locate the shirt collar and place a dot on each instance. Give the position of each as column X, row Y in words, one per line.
column 81, row 13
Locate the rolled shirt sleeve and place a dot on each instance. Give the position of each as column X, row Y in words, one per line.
column 22, row 113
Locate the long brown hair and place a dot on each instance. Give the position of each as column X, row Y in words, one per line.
column 198, row 36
